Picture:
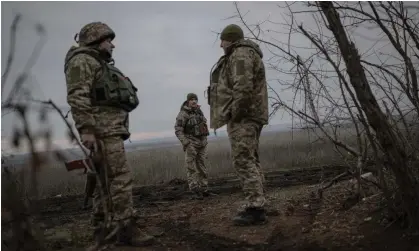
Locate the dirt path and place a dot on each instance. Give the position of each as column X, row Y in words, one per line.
column 183, row 224
column 177, row 189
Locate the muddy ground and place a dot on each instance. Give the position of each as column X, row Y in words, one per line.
column 297, row 219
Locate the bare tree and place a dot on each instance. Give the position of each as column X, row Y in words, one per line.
column 336, row 88
column 18, row 229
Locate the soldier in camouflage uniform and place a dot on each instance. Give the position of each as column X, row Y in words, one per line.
column 238, row 98
column 192, row 131
column 101, row 98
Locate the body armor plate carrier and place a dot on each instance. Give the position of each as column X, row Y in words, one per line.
column 112, row 88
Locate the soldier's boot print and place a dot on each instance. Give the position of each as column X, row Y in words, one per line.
column 251, row 216
column 131, row 235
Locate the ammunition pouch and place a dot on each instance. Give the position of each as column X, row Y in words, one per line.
column 196, row 127
column 203, row 129
column 114, row 89
column 198, row 130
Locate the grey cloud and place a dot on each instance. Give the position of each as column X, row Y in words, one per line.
column 166, row 48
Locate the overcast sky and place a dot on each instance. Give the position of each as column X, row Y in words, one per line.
column 166, row 48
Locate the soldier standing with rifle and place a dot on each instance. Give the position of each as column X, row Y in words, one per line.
column 101, row 98
column 238, row 98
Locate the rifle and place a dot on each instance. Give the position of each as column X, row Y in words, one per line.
column 85, row 164
column 88, row 165
column 89, row 188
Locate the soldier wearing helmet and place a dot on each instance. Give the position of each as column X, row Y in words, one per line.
column 238, row 98
column 101, row 98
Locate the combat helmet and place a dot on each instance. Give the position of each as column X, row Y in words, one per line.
column 232, row 33
column 94, row 32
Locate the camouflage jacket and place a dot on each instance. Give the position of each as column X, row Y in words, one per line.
column 191, row 126
column 238, row 87
column 103, row 121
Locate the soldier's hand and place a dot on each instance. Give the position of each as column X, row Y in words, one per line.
column 185, row 145
column 89, row 141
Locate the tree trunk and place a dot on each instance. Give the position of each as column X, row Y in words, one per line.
column 390, row 142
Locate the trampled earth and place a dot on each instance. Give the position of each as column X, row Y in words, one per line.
column 297, row 220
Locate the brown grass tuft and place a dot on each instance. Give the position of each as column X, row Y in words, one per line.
column 278, row 151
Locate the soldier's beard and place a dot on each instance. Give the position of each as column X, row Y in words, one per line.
column 105, row 54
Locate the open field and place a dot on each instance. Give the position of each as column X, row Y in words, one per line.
column 297, row 222
column 278, row 151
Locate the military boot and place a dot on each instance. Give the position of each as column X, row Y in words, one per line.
column 208, row 193
column 130, row 235
column 196, row 194
column 251, row 216
column 100, row 244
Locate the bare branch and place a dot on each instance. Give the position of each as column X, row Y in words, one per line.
column 360, row 101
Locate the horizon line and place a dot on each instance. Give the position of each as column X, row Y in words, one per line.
column 63, row 144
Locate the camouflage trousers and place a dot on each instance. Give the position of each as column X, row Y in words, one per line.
column 196, row 170
column 116, row 179
column 244, row 140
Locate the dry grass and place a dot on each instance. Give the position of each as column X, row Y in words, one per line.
column 280, row 150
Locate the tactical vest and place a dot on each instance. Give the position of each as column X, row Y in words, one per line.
column 195, row 126
column 112, row 88
column 215, row 73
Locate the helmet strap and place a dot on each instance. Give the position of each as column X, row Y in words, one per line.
column 76, row 38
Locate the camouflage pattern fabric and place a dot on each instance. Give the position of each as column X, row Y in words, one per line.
column 239, row 99
column 241, row 72
column 94, row 32
column 117, row 178
column 195, row 147
column 196, row 171
column 256, row 151
column 244, row 140
column 104, row 121
column 110, row 125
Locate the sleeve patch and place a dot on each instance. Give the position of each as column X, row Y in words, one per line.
column 240, row 67
column 179, row 122
column 75, row 73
